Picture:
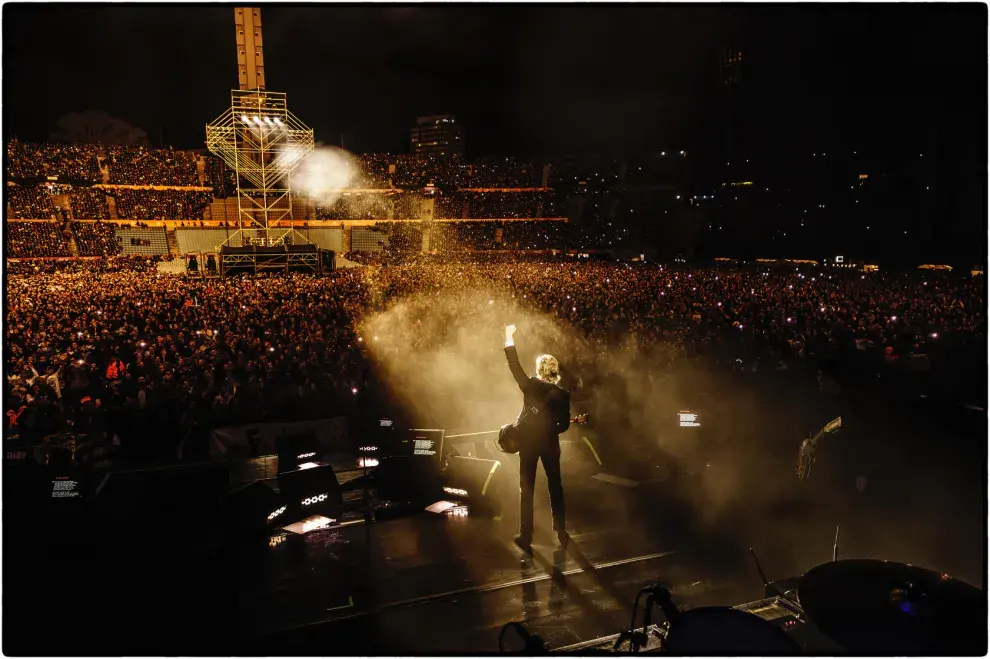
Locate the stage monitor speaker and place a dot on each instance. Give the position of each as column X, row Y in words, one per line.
column 308, row 494
column 296, row 450
column 179, row 493
column 482, row 483
column 247, row 509
column 409, row 478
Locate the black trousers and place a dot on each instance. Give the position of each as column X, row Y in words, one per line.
column 528, row 459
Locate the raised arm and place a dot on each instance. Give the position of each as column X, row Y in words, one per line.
column 510, row 355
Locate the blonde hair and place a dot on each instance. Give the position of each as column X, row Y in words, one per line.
column 547, row 369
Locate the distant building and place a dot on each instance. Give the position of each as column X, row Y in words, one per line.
column 738, row 106
column 437, row 135
column 732, row 67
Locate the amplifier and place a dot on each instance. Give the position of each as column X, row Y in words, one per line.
column 777, row 610
column 788, row 615
column 653, row 643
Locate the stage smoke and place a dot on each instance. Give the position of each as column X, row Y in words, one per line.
column 324, row 174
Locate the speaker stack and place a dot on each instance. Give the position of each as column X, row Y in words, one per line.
column 308, row 496
column 310, row 499
column 476, row 482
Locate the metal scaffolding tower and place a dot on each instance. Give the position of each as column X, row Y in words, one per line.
column 262, row 142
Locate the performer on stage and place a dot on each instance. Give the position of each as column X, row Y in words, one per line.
column 545, row 414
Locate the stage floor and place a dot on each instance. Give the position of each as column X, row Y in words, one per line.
column 428, row 584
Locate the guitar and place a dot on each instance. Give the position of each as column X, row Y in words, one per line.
column 806, row 454
column 508, row 436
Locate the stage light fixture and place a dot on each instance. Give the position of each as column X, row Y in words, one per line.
column 245, row 119
column 455, row 491
column 305, row 455
column 309, row 501
column 268, row 120
column 278, row 121
column 256, row 119
column 688, row 420
column 276, row 513
column 456, row 511
column 370, row 449
column 367, row 463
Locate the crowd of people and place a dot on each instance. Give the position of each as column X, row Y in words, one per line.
column 157, row 359
column 454, row 204
column 89, row 203
column 452, row 182
column 506, row 205
column 29, row 203
column 160, row 204
column 96, row 238
column 136, row 165
column 415, row 172
column 448, row 172
column 356, row 207
column 75, row 162
column 118, row 263
column 36, row 239
column 220, row 177
column 505, row 173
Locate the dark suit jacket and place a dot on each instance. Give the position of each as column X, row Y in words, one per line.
column 541, row 400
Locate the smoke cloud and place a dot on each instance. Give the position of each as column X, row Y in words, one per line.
column 324, row 174
column 730, row 484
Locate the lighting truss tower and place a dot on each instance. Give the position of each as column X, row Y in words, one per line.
column 263, row 143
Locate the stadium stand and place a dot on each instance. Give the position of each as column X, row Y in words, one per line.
column 95, row 238
column 200, row 240
column 141, row 166
column 160, row 204
column 89, row 204
column 36, row 239
column 325, row 237
column 143, row 241
column 29, row 203
column 369, row 239
column 75, row 162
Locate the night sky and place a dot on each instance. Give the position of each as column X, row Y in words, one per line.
column 525, row 80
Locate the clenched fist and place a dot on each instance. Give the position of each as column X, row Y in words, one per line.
column 509, row 331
